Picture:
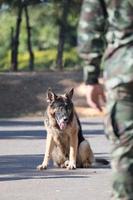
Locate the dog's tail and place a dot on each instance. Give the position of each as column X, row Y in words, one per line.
column 102, row 161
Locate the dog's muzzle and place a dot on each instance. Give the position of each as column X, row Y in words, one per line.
column 62, row 121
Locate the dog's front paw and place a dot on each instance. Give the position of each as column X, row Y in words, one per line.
column 66, row 163
column 71, row 165
column 41, row 167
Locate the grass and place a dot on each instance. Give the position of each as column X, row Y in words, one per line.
column 44, row 60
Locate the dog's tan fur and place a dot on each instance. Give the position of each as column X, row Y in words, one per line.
column 62, row 146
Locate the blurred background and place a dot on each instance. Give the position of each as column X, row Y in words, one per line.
column 38, row 50
column 38, row 34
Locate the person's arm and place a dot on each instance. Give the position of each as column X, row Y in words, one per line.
column 91, row 45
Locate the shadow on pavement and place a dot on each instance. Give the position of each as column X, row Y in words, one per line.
column 30, row 129
column 93, row 132
column 22, row 129
column 37, row 134
column 15, row 122
column 26, row 122
column 24, row 134
column 18, row 167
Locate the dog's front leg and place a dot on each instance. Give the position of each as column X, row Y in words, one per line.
column 49, row 147
column 73, row 151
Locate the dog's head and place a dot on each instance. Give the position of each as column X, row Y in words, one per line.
column 61, row 107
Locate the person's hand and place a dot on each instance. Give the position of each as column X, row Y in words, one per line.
column 95, row 96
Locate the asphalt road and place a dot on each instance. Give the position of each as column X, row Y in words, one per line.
column 22, row 144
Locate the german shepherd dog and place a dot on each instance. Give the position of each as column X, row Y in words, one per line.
column 65, row 144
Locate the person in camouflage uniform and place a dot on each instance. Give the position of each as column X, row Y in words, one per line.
column 105, row 37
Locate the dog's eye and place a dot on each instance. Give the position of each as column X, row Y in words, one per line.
column 68, row 108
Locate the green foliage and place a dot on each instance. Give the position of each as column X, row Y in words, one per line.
column 44, row 60
column 44, row 21
column 6, row 22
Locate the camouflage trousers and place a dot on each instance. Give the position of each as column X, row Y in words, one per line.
column 119, row 130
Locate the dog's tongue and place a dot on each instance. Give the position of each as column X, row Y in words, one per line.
column 62, row 125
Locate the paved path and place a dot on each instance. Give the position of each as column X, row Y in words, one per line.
column 22, row 143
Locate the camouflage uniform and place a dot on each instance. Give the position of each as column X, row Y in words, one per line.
column 105, row 37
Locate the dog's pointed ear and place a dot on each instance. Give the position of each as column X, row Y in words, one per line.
column 51, row 96
column 70, row 93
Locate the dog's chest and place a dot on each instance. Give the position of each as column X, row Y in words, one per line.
column 62, row 138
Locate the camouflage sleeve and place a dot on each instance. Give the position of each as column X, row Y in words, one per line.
column 91, row 37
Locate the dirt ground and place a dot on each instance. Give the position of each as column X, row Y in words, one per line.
column 23, row 94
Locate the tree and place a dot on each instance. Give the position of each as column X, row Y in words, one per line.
column 63, row 25
column 15, row 39
column 22, row 5
column 31, row 60
column 67, row 7
column 56, row 28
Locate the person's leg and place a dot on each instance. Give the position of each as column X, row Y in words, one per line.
column 119, row 126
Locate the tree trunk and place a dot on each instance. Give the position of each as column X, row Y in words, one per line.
column 31, row 59
column 62, row 34
column 12, row 47
column 16, row 39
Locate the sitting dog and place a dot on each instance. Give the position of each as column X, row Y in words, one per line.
column 65, row 144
